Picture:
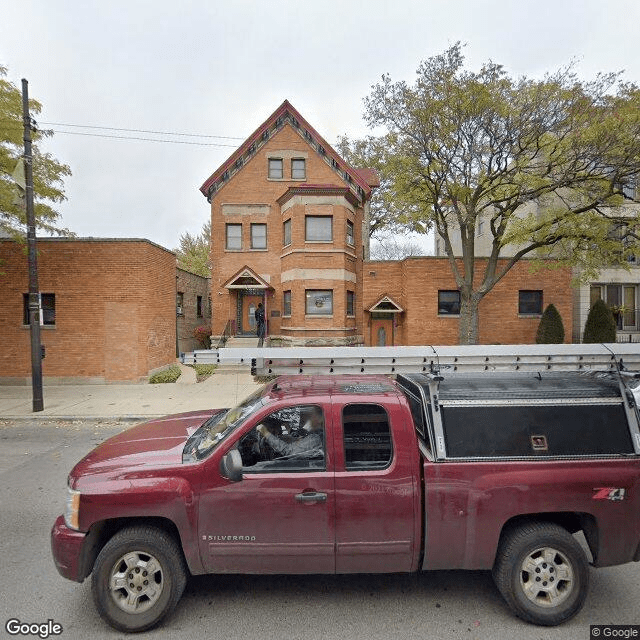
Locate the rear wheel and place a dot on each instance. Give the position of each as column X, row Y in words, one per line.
column 542, row 573
column 138, row 578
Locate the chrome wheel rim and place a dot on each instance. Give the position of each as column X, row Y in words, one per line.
column 136, row 582
column 546, row 577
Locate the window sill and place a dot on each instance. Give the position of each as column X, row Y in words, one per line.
column 529, row 315
column 42, row 326
column 286, row 317
column 318, row 241
column 258, row 250
column 234, row 250
column 448, row 315
column 311, row 316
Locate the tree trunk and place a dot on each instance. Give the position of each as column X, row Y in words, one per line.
column 468, row 328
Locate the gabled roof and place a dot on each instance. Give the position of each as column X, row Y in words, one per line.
column 386, row 304
column 246, row 278
column 360, row 181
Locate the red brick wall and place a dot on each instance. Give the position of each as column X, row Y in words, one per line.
column 414, row 283
column 252, row 186
column 191, row 286
column 115, row 310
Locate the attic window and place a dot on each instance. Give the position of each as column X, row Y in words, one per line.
column 276, row 168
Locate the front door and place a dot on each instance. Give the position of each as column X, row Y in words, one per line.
column 247, row 318
column 382, row 331
column 280, row 517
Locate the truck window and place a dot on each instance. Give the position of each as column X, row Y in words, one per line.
column 290, row 439
column 367, row 437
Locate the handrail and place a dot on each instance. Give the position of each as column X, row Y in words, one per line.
column 226, row 333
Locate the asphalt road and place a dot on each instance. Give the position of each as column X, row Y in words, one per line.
column 34, row 461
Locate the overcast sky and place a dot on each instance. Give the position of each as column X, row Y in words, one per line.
column 219, row 68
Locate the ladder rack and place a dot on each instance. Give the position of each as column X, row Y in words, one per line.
column 446, row 359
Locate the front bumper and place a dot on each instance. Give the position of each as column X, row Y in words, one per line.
column 67, row 547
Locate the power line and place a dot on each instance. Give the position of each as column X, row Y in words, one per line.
column 163, row 133
column 106, row 135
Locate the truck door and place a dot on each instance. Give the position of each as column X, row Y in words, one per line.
column 280, row 517
column 377, row 492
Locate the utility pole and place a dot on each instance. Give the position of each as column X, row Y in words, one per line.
column 34, row 301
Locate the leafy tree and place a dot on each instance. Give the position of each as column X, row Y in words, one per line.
column 193, row 252
column 550, row 329
column 390, row 247
column 48, row 173
column 544, row 162
column 600, row 325
column 384, row 217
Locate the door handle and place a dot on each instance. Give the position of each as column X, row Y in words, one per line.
column 311, row 496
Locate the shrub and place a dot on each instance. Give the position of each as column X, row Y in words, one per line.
column 550, row 329
column 203, row 371
column 600, row 325
column 203, row 336
column 170, row 374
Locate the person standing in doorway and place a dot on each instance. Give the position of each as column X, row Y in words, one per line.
column 261, row 328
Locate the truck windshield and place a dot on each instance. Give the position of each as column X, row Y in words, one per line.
column 218, row 427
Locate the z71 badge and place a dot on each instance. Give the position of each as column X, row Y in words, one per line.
column 615, row 494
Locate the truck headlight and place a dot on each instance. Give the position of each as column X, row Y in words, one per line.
column 72, row 509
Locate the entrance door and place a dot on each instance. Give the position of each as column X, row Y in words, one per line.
column 382, row 331
column 248, row 305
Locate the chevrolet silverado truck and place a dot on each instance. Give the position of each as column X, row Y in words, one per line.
column 365, row 474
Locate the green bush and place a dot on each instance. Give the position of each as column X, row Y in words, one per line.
column 550, row 329
column 600, row 325
column 170, row 374
column 203, row 371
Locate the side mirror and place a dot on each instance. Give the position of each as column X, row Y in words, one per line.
column 231, row 466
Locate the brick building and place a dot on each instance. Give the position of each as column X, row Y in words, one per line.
column 287, row 220
column 415, row 301
column 108, row 310
column 289, row 226
column 193, row 308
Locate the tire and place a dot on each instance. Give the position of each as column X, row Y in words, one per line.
column 542, row 573
column 138, row 578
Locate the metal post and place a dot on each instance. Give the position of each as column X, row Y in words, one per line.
column 34, row 303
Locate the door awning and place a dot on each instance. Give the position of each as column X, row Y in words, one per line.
column 385, row 304
column 246, row 278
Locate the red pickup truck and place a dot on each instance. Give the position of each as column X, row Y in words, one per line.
column 364, row 474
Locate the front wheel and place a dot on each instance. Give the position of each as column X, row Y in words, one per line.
column 138, row 578
column 542, row 573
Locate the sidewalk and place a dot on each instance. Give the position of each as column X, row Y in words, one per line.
column 126, row 401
